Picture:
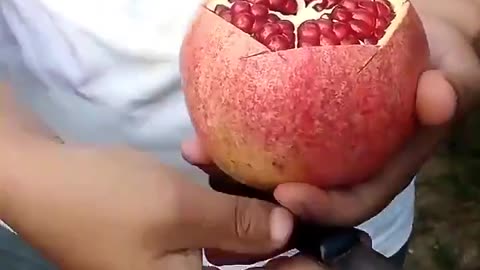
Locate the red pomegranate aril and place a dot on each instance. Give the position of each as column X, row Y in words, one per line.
column 308, row 31
column 349, row 40
column 259, row 10
column 258, row 24
column 226, row 15
column 287, row 7
column 268, row 30
column 385, row 2
column 278, row 43
column 287, row 26
column 290, row 7
column 341, row 30
column 381, row 24
column 290, row 37
column 276, row 4
column 383, row 10
column 240, row 7
column 244, row 21
column 318, row 7
column 369, row 6
column 363, row 15
column 331, row 3
column 324, row 25
column 220, row 8
column 273, row 18
column 341, row 14
column 361, row 29
column 371, row 41
column 349, row 4
column 329, row 39
column 379, row 33
column 347, row 22
column 261, row 2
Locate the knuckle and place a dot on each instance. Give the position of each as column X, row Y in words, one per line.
column 243, row 219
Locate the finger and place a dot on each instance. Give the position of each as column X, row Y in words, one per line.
column 223, row 183
column 194, row 152
column 436, row 99
column 350, row 207
column 295, row 263
column 208, row 219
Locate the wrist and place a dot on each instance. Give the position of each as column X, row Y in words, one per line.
column 25, row 144
column 19, row 163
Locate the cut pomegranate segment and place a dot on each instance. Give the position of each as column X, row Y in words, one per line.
column 305, row 23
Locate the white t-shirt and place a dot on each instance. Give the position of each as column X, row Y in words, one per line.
column 106, row 71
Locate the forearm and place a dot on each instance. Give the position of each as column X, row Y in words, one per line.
column 22, row 138
column 463, row 14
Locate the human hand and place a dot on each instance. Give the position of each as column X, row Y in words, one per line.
column 453, row 85
column 115, row 209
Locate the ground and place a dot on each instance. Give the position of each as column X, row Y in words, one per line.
column 447, row 229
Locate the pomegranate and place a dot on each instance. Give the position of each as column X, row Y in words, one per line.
column 316, row 91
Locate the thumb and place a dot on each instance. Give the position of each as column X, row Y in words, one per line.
column 436, row 99
column 194, row 152
column 213, row 220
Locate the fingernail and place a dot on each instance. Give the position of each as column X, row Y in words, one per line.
column 281, row 226
column 194, row 153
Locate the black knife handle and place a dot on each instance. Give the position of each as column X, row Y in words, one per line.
column 361, row 258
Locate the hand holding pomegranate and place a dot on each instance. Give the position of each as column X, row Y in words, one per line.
column 274, row 113
column 262, row 131
column 452, row 86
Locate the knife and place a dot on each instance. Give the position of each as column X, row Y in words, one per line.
column 340, row 248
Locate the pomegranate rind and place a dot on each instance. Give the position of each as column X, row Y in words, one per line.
column 328, row 116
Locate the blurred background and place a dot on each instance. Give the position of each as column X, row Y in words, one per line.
column 447, row 228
